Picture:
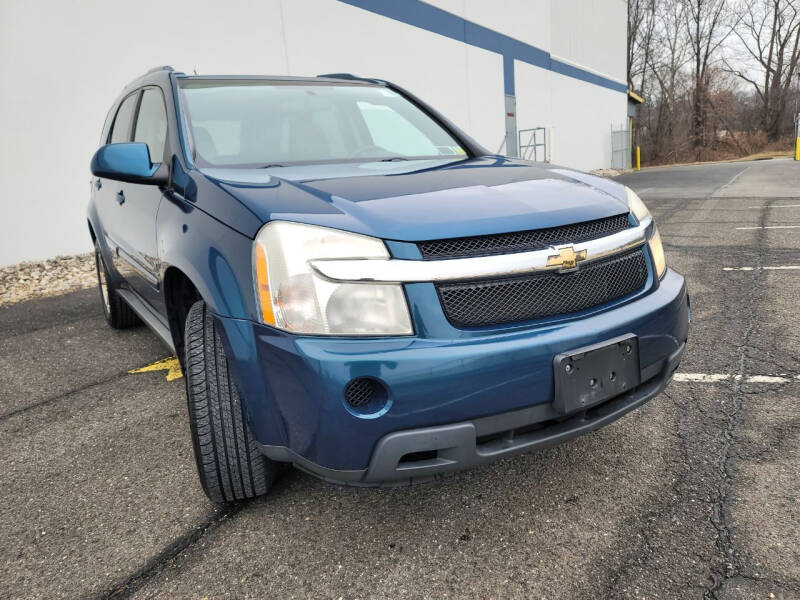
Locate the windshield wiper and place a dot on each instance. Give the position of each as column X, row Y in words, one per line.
column 393, row 159
column 269, row 166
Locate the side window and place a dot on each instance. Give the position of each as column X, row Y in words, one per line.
column 120, row 132
column 151, row 123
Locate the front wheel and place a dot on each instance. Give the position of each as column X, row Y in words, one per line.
column 228, row 460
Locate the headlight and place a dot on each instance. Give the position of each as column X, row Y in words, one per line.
column 657, row 250
column 293, row 297
column 636, row 206
column 639, row 210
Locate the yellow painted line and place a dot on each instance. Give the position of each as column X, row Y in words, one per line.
column 170, row 365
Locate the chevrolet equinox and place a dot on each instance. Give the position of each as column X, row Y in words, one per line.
column 354, row 286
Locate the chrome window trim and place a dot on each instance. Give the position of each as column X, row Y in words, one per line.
column 395, row 270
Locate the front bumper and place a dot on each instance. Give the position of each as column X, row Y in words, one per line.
column 463, row 445
column 453, row 402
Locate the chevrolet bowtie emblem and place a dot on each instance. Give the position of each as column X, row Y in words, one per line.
column 566, row 259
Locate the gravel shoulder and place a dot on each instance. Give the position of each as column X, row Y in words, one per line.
column 52, row 277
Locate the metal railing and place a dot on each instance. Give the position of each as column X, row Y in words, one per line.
column 532, row 142
column 621, row 148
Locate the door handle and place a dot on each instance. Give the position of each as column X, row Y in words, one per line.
column 121, row 197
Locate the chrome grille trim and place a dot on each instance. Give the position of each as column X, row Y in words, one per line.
column 395, row 270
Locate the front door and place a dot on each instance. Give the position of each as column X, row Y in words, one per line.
column 137, row 232
column 108, row 194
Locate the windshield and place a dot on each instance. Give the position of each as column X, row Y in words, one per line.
column 255, row 123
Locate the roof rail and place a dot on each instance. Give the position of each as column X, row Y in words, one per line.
column 161, row 68
column 349, row 76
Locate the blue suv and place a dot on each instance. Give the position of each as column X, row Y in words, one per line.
column 355, row 286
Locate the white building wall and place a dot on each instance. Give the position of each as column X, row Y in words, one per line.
column 64, row 61
column 591, row 34
column 578, row 116
column 524, row 20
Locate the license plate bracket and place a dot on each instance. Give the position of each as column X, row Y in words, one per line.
column 593, row 374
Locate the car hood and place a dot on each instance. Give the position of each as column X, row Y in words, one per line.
column 421, row 200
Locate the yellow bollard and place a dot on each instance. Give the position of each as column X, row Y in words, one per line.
column 797, row 149
column 639, row 157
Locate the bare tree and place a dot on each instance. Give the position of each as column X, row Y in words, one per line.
column 641, row 24
column 707, row 28
column 769, row 31
column 682, row 59
column 665, row 65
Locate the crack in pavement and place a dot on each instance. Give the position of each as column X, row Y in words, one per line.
column 127, row 587
column 64, row 396
column 646, row 530
column 7, row 334
column 643, row 550
column 732, row 180
column 161, row 561
column 719, row 497
column 721, row 517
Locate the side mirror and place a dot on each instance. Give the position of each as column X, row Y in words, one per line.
column 128, row 161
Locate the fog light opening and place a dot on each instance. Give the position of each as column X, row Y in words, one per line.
column 366, row 396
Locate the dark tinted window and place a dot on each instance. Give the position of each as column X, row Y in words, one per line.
column 122, row 124
column 151, row 124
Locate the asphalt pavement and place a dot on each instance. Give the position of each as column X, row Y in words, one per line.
column 695, row 495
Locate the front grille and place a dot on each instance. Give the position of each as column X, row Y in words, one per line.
column 515, row 299
column 522, row 241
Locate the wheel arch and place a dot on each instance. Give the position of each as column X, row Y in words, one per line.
column 180, row 293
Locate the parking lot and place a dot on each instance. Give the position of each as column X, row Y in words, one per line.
column 695, row 495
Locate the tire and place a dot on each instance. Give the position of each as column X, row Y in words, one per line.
column 117, row 312
column 229, row 463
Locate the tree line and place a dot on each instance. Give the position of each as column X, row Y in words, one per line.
column 720, row 78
